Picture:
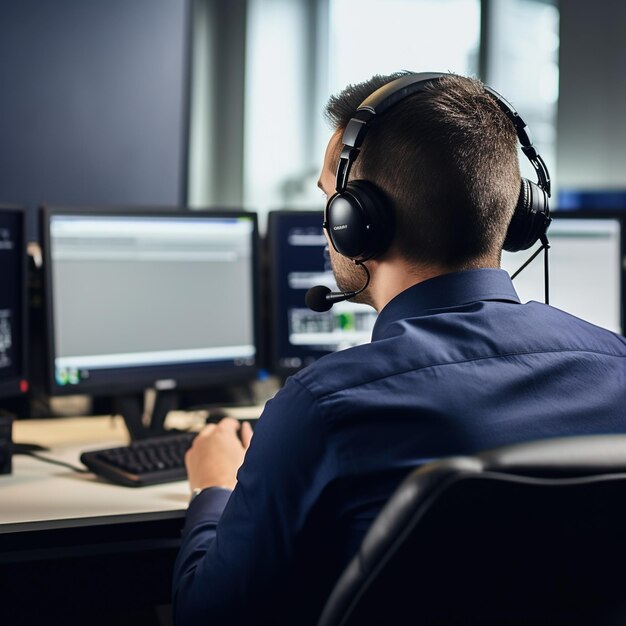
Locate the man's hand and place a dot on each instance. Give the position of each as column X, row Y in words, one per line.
column 217, row 453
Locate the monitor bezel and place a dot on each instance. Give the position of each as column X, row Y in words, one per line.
column 117, row 381
column 18, row 385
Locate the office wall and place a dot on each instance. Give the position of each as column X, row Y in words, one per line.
column 93, row 101
column 591, row 129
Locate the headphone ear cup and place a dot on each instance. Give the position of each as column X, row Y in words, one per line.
column 530, row 220
column 360, row 221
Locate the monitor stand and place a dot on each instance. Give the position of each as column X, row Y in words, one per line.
column 143, row 421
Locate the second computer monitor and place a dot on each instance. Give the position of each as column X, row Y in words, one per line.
column 299, row 260
column 586, row 279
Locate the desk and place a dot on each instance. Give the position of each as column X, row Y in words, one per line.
column 77, row 549
column 39, row 495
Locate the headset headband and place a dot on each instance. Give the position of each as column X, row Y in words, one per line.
column 395, row 91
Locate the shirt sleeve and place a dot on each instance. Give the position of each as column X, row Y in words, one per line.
column 236, row 545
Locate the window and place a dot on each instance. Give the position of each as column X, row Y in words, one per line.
column 299, row 52
column 522, row 65
column 369, row 37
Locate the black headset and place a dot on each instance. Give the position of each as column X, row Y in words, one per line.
column 358, row 217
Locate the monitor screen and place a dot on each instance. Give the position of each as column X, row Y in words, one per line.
column 585, row 261
column 149, row 299
column 13, row 279
column 299, row 260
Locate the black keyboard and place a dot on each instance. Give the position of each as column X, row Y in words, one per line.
column 145, row 462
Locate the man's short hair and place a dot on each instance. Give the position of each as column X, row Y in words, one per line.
column 447, row 159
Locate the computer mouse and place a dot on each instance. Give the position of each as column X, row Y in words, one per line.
column 215, row 415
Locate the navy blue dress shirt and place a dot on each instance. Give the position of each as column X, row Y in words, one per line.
column 456, row 365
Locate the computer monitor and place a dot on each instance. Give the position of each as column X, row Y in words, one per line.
column 13, row 303
column 586, row 271
column 149, row 299
column 298, row 260
column 586, row 279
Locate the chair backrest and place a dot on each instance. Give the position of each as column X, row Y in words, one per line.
column 533, row 533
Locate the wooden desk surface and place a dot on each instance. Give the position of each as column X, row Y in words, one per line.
column 40, row 495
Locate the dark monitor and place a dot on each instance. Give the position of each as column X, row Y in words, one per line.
column 586, row 268
column 298, row 260
column 149, row 299
column 13, row 304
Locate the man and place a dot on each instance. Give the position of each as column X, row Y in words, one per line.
column 456, row 365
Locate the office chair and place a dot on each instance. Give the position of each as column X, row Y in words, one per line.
column 533, row 533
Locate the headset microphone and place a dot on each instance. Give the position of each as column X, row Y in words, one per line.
column 320, row 298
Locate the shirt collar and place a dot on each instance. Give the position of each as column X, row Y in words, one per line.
column 445, row 291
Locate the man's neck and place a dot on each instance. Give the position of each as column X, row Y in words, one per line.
column 390, row 278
